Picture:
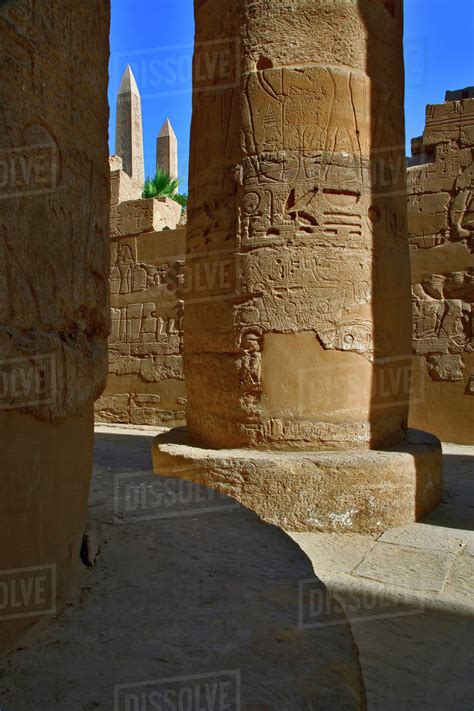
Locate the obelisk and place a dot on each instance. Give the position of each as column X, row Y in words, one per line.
column 167, row 150
column 129, row 127
column 297, row 307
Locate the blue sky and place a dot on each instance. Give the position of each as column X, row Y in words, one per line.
column 156, row 37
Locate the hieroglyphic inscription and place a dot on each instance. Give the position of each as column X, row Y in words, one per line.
column 306, row 188
column 441, row 225
column 146, row 382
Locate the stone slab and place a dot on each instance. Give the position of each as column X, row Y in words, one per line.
column 334, row 553
column 424, row 536
column 460, row 584
column 134, row 217
column 350, row 491
column 401, row 566
column 122, row 186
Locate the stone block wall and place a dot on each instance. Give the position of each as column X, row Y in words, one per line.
column 441, row 224
column 146, row 382
column 134, row 217
column 122, row 186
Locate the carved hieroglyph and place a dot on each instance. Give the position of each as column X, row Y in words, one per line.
column 129, row 128
column 134, row 217
column 146, row 381
column 441, row 228
column 54, row 198
column 301, row 337
column 54, row 310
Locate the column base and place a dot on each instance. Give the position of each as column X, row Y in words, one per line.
column 349, row 491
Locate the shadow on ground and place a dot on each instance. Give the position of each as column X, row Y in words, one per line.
column 191, row 595
column 409, row 594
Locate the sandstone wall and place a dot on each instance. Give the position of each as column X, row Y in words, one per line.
column 146, row 382
column 441, row 220
column 122, row 186
column 54, row 313
column 134, row 217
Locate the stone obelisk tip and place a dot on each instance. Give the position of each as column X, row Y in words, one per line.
column 128, row 85
column 167, row 150
column 167, row 129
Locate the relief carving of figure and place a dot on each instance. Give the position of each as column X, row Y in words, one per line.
column 251, row 362
column 121, row 274
column 463, row 202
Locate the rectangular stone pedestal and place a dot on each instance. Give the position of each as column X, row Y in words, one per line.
column 354, row 491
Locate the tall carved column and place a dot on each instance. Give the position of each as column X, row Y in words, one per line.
column 54, row 314
column 300, row 338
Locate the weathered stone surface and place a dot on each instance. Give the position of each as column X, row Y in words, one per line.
column 470, row 385
column 354, row 492
column 129, row 128
column 308, row 217
column 427, row 537
column 441, row 220
column 399, row 565
column 146, row 380
column 113, row 408
column 167, row 150
column 134, row 217
column 428, row 213
column 123, row 187
column 54, row 257
column 115, row 163
column 298, row 336
column 443, row 124
column 461, row 580
column 411, row 614
column 53, row 223
column 459, row 94
column 446, row 367
column 445, row 404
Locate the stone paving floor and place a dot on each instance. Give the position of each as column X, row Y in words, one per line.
column 410, row 596
column 193, row 604
column 227, row 592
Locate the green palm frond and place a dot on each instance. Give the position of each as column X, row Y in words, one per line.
column 181, row 199
column 162, row 185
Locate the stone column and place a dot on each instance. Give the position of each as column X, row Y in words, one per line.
column 54, row 315
column 167, row 150
column 129, row 127
column 297, row 192
column 306, row 189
